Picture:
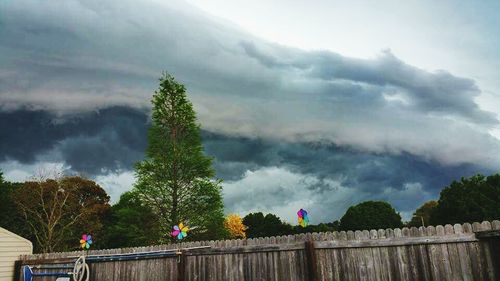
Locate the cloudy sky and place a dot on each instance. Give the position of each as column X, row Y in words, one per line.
column 303, row 105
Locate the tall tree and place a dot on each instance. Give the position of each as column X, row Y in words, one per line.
column 59, row 211
column 423, row 214
column 370, row 215
column 471, row 199
column 176, row 178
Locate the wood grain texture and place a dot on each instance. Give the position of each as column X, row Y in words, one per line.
column 451, row 252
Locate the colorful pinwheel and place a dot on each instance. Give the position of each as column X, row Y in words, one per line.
column 303, row 218
column 86, row 241
column 180, row 231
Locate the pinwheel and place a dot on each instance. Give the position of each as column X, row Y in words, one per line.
column 86, row 241
column 180, row 231
column 303, row 218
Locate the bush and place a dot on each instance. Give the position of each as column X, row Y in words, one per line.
column 370, row 215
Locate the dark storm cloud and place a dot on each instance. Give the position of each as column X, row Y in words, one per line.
column 325, row 179
column 108, row 139
column 118, row 144
column 330, row 177
column 25, row 134
column 365, row 171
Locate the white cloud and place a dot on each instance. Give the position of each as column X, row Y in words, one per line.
column 116, row 183
column 18, row 172
column 410, row 191
column 281, row 192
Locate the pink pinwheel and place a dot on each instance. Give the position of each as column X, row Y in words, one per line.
column 86, row 241
column 180, row 231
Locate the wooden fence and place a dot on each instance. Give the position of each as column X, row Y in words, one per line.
column 450, row 252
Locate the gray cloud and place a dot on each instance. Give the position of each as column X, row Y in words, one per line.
column 76, row 78
column 108, row 139
column 82, row 55
column 438, row 92
column 278, row 176
column 73, row 56
column 324, row 178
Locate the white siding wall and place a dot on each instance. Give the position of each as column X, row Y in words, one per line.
column 11, row 247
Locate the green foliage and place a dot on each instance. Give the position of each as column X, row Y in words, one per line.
column 131, row 223
column 259, row 225
column 322, row 227
column 175, row 179
column 473, row 199
column 423, row 212
column 7, row 208
column 10, row 217
column 370, row 215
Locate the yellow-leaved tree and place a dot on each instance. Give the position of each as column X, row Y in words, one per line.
column 234, row 225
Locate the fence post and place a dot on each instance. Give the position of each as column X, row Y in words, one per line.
column 492, row 239
column 17, row 270
column 312, row 266
column 181, row 267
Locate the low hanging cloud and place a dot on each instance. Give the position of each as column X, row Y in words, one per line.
column 76, row 77
column 325, row 179
column 106, row 140
column 259, row 174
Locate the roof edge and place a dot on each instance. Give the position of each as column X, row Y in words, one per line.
column 18, row 236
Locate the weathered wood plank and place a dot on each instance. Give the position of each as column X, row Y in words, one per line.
column 454, row 259
column 486, row 255
column 392, row 242
column 463, row 255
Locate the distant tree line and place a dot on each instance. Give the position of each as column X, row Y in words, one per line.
column 473, row 199
column 53, row 213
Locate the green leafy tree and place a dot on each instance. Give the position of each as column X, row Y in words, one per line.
column 131, row 223
column 423, row 213
column 176, row 178
column 259, row 225
column 471, row 199
column 10, row 217
column 370, row 215
column 335, row 225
